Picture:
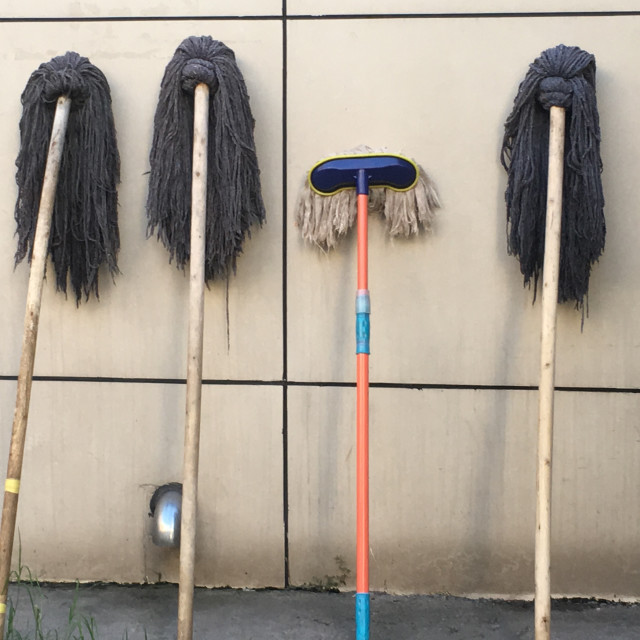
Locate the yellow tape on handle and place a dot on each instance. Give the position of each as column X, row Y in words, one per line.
column 3, row 607
column 12, row 485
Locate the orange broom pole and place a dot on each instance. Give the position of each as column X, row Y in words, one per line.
column 363, row 252
column 362, row 416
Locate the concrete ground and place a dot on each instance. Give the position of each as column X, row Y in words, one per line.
column 139, row 612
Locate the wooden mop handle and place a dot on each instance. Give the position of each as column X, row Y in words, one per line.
column 194, row 362
column 25, row 375
column 550, row 277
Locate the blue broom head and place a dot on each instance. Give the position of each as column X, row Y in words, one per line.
column 234, row 200
column 564, row 77
column 400, row 190
column 376, row 170
column 84, row 231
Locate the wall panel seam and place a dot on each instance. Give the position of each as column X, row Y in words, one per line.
column 323, row 17
column 410, row 386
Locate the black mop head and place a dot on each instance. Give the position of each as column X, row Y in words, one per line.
column 84, row 230
column 563, row 77
column 234, row 200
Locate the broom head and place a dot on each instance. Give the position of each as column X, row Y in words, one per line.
column 382, row 170
column 400, row 190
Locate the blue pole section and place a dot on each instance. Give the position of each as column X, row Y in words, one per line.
column 363, row 325
column 362, row 616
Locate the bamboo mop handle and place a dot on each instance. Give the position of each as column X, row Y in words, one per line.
column 550, row 276
column 194, row 362
column 31, row 319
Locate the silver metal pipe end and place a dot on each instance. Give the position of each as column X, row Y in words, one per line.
column 166, row 510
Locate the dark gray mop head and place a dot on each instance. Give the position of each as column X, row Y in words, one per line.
column 234, row 200
column 84, row 230
column 563, row 77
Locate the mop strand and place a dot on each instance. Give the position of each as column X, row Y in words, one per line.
column 564, row 77
column 84, row 232
column 234, row 200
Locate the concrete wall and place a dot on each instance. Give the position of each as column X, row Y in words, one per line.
column 454, row 338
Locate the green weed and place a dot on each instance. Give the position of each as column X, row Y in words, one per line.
column 26, row 586
column 26, row 592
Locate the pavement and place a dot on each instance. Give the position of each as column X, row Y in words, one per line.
column 117, row 612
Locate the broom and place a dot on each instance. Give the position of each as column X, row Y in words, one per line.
column 68, row 169
column 204, row 194
column 336, row 192
column 556, row 227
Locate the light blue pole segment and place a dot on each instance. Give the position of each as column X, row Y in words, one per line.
column 362, row 616
column 363, row 327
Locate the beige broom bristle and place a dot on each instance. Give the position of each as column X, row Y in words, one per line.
column 407, row 211
column 323, row 220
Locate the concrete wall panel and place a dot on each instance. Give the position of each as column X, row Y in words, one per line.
column 139, row 8
column 94, row 454
column 139, row 326
column 452, row 491
column 449, row 7
column 450, row 308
